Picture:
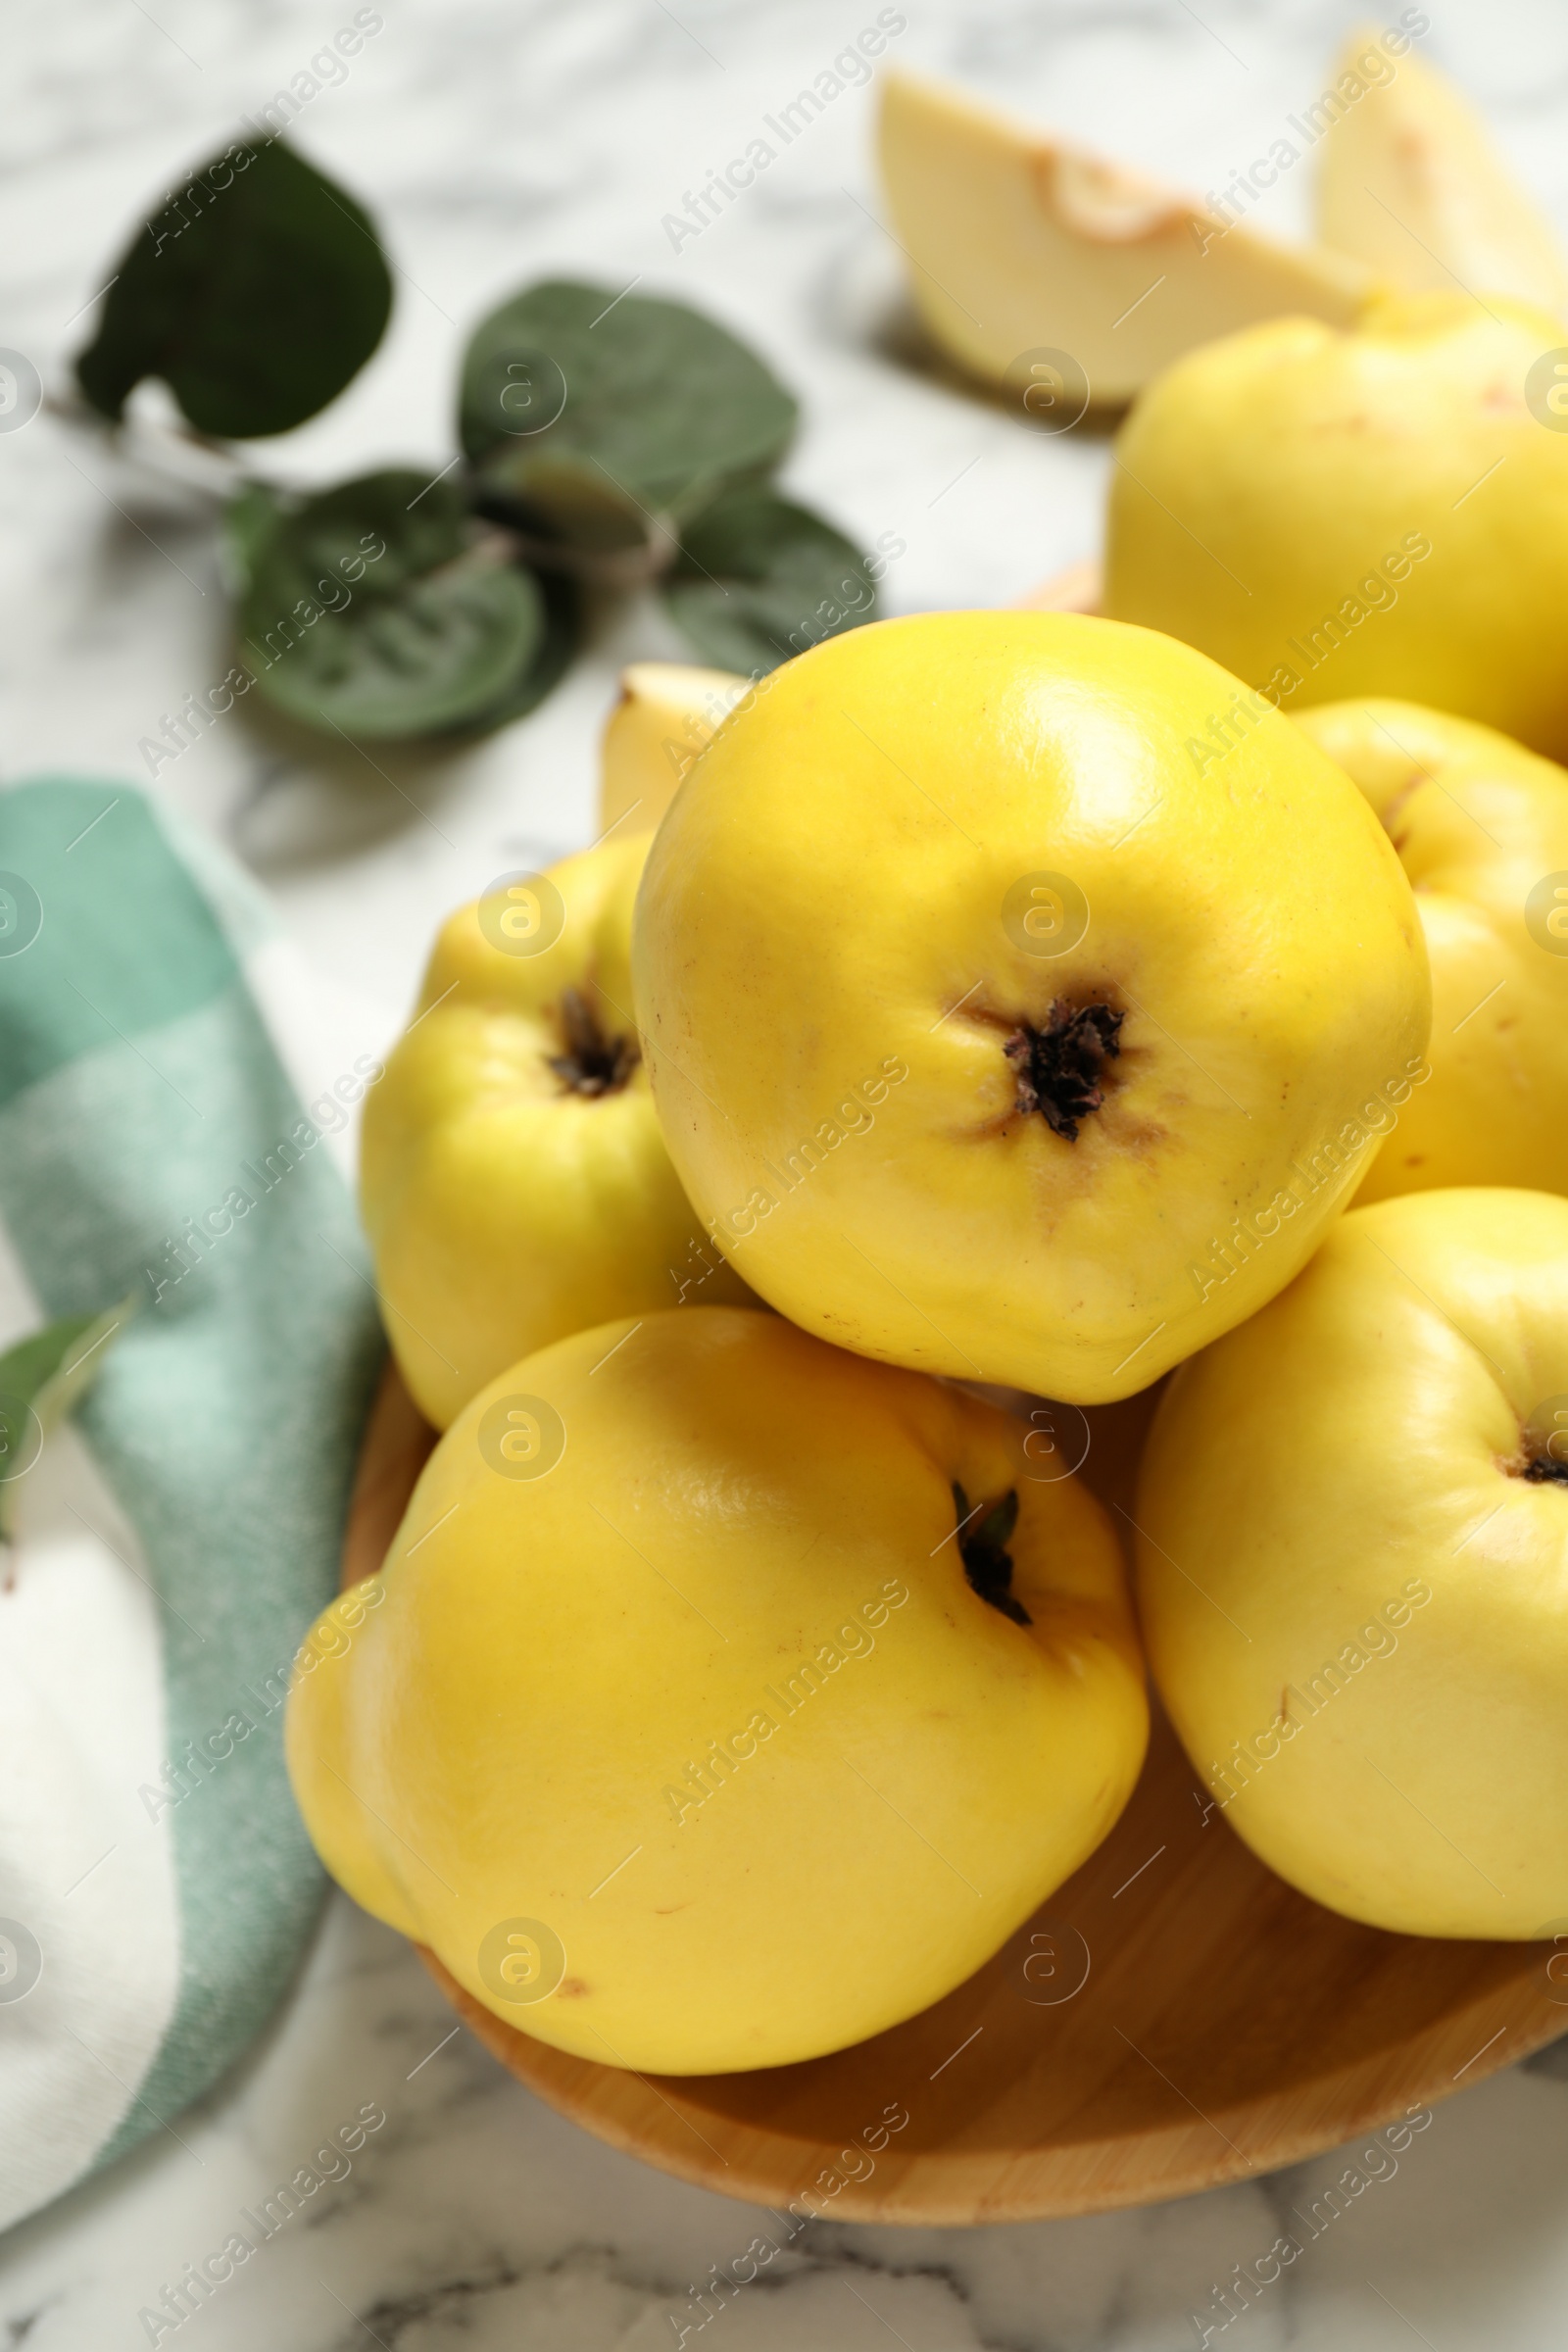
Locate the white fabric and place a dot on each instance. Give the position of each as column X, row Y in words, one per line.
column 81, row 1730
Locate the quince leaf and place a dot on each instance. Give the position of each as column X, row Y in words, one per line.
column 757, row 579
column 41, row 1379
column 553, row 655
column 381, row 608
column 599, row 418
column 256, row 293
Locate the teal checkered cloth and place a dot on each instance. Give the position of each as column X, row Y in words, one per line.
column 176, row 1538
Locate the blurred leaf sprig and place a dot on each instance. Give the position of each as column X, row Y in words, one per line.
column 605, row 441
column 42, row 1379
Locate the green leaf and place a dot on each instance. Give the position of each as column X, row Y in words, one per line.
column 247, row 525
column 758, row 579
column 256, row 293
column 380, row 607
column 593, row 418
column 554, row 656
column 41, row 1379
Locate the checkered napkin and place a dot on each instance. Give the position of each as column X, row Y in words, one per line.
column 158, row 1046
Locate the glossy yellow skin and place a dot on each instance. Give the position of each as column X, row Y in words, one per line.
column 823, row 910
column 1284, row 481
column 1337, row 1486
column 510, row 1734
column 1479, row 824
column 504, row 1208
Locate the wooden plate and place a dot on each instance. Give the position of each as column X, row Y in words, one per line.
column 1175, row 2017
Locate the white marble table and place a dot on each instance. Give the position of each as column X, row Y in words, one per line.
column 498, row 142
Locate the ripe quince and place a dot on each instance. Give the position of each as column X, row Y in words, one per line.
column 1020, row 995
column 1350, row 1574
column 724, row 1698
column 1379, row 511
column 1480, row 826
column 513, row 1181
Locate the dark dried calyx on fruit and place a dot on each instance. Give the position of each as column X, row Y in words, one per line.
column 593, row 1063
column 1546, row 1469
column 983, row 1534
column 1058, row 1068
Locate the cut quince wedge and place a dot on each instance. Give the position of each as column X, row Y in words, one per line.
column 1023, row 246
column 1410, row 184
column 665, row 715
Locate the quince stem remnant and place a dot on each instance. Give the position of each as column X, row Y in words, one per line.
column 1059, row 1066
column 593, row 1063
column 986, row 1561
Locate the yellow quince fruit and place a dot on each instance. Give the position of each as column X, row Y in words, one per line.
column 1383, row 511
column 999, row 1030
column 1481, row 827
column 1354, row 1523
column 724, row 1698
column 513, row 1183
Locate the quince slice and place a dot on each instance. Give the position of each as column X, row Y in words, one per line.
column 668, row 712
column 1022, row 245
column 1410, row 184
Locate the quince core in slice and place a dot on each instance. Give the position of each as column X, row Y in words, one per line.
column 1020, row 244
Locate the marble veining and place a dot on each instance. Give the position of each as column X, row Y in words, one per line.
column 473, row 2216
